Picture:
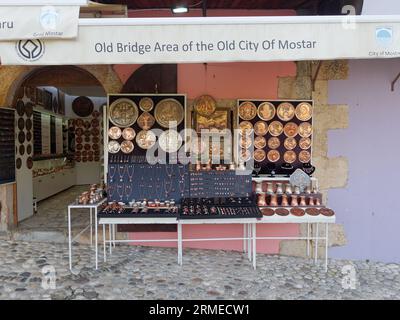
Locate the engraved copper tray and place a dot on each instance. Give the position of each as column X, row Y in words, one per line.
column 145, row 139
column 260, row 128
column 247, row 110
column 285, row 111
column 146, row 121
column 205, row 105
column 146, row 104
column 304, row 111
column 123, row 112
column 266, row 111
column 169, row 112
column 126, row 146
column 128, row 134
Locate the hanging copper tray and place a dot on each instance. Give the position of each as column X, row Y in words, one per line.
column 289, row 156
column 305, row 143
column 245, row 155
column 29, row 136
column 18, row 163
column 95, row 147
column 87, row 146
column 20, row 108
column 84, row 159
column 95, row 132
column 114, row 133
column 146, row 121
column 127, row 146
column 78, row 131
column 245, row 142
column 260, row 128
column 305, row 129
column 290, row 143
column 298, row 212
column 169, row 111
column 79, row 123
column 84, row 153
column 29, row 109
column 96, row 152
column 304, row 111
column 95, row 123
column 123, row 112
column 246, row 127
column 291, row 129
column 170, row 141
column 304, row 156
column 78, row 139
column 267, row 212
column 95, row 140
column 78, row 153
column 87, row 125
column 79, row 146
column 205, row 105
column 21, row 123
column 274, row 143
column 260, row 142
column 113, row 146
column 266, row 111
column 21, row 149
column 275, row 128
column 146, row 104
column 259, row 155
column 128, row 134
column 28, row 124
column 87, row 139
column 29, row 163
column 273, row 155
column 247, row 110
column 285, row 111
column 145, row 139
column 96, row 114
column 282, row 211
column 21, row 137
column 82, row 106
column 90, row 158
column 29, row 149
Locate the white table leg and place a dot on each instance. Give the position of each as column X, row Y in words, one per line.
column 96, row 240
column 110, row 233
column 104, row 243
column 326, row 246
column 244, row 238
column 254, row 227
column 316, row 243
column 308, row 239
column 114, row 234
column 69, row 239
column 180, row 251
column 91, row 227
column 249, row 241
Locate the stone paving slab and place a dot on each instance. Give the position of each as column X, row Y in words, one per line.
column 153, row 273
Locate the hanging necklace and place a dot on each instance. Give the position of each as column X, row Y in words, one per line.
column 130, row 175
column 167, row 191
column 121, row 175
column 182, row 180
column 128, row 191
column 120, row 194
column 110, row 174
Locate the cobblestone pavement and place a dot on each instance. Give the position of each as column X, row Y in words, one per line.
column 152, row 273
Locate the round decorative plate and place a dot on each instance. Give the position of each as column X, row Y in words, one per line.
column 21, row 137
column 78, row 131
column 28, row 124
column 266, row 111
column 29, row 149
column 146, row 104
column 260, row 142
column 205, row 105
column 169, row 113
column 304, row 111
column 95, row 123
column 246, row 127
column 327, row 212
column 87, row 125
column 84, row 153
column 113, row 146
column 95, row 140
column 79, row 146
column 87, row 139
column 259, row 155
column 291, row 129
column 95, row 147
column 18, row 163
column 267, row 212
column 29, row 136
column 260, row 128
column 123, row 112
column 298, row 212
column 82, row 106
column 290, row 143
column 114, row 133
column 79, row 123
column 245, row 142
column 126, row 146
column 245, row 155
column 146, row 121
column 285, row 111
column 289, row 156
column 275, row 128
column 96, row 114
column 95, row 132
column 304, row 156
column 170, row 141
column 274, row 143
column 312, row 211
column 29, row 163
column 79, row 139
column 87, row 146
column 273, row 156
column 305, row 143
column 128, row 134
column 20, row 108
column 282, row 211
column 305, row 129
column 145, row 139
column 29, row 109
column 21, row 124
column 247, row 110
column 21, row 149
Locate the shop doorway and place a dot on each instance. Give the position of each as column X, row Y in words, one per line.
column 59, row 147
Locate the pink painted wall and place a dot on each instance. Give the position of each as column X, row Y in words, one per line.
column 224, row 81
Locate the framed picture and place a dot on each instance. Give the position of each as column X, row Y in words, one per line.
column 218, row 121
column 47, row 100
column 39, row 97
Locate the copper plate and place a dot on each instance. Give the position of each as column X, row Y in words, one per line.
column 87, row 139
column 273, row 155
column 87, row 146
column 29, row 163
column 247, row 110
column 205, row 105
column 327, row 212
column 21, row 149
column 275, row 128
column 84, row 153
column 259, row 155
column 274, row 143
column 291, row 129
column 123, row 112
column 146, row 121
column 29, row 109
column 21, row 137
column 95, row 123
column 95, row 132
column 29, row 149
column 114, row 133
column 95, row 147
column 78, row 153
column 29, row 136
column 245, row 142
column 96, row 114
column 84, row 159
column 21, row 124
column 312, row 211
column 126, row 146
column 28, row 124
column 260, row 142
column 290, row 143
column 289, row 156
column 267, row 212
column 285, row 111
column 304, row 111
column 298, row 212
column 79, row 122
column 170, row 141
column 78, row 140
column 282, row 211
column 145, row 139
column 20, row 108
column 169, row 112
column 95, row 140
column 146, row 104
column 245, row 155
column 304, row 156
column 18, row 163
column 79, row 146
column 305, row 129
column 305, row 143
column 79, row 131
column 260, row 128
column 113, row 146
column 266, row 111
column 246, row 127
column 87, row 124
column 128, row 134
column 82, row 106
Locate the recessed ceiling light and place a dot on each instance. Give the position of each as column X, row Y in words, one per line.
column 180, row 10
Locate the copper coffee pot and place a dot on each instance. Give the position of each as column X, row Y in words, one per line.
column 285, row 201
column 270, row 188
column 274, row 200
column 303, row 201
column 261, row 200
column 294, row 202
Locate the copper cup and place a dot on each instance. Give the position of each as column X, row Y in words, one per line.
column 303, row 201
column 274, row 200
column 261, row 200
column 285, row 201
column 317, row 202
column 270, row 188
column 311, row 201
column 294, row 202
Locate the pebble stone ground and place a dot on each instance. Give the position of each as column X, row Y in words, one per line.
column 152, row 273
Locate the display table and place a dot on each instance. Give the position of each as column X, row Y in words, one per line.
column 93, row 209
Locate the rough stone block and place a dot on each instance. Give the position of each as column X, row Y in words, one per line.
column 294, row 88
column 332, row 70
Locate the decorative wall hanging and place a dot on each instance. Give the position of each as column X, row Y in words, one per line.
column 123, row 112
column 82, row 106
column 205, row 105
column 169, row 113
column 146, row 104
column 247, row 110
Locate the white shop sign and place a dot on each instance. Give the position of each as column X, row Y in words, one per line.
column 189, row 40
column 38, row 22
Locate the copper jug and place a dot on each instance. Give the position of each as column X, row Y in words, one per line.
column 294, row 202
column 303, row 201
column 274, row 200
column 285, row 201
column 261, row 201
